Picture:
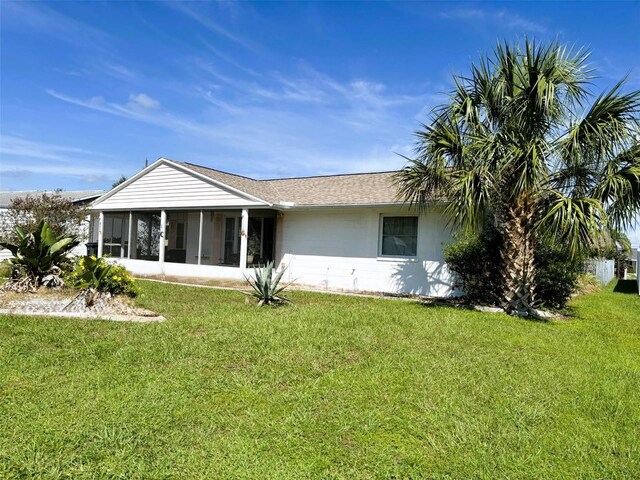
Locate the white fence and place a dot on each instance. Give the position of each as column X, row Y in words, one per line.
column 603, row 269
column 638, row 268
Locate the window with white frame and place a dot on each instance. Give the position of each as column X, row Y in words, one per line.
column 399, row 236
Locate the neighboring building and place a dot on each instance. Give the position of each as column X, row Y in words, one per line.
column 77, row 196
column 339, row 232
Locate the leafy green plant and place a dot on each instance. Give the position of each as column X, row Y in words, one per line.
column 266, row 286
column 39, row 257
column 64, row 216
column 98, row 275
column 476, row 260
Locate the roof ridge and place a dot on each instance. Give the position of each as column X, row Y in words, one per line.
column 214, row 169
column 328, row 176
column 282, row 178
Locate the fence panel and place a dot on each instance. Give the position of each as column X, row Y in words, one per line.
column 604, row 270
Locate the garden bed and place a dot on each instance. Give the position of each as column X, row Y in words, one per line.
column 72, row 304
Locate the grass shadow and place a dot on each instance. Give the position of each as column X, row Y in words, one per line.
column 626, row 286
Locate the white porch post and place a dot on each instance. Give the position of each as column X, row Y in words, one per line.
column 244, row 231
column 129, row 235
column 163, row 228
column 200, row 237
column 100, row 233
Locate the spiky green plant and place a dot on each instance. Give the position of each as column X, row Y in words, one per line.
column 266, row 286
column 38, row 257
column 521, row 143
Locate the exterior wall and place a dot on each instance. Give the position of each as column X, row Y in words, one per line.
column 168, row 187
column 337, row 249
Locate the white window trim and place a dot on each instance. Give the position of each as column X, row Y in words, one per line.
column 397, row 258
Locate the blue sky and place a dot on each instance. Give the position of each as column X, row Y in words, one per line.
column 89, row 90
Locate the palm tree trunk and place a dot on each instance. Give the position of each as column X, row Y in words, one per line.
column 518, row 268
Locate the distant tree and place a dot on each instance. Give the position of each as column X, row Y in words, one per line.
column 122, row 179
column 64, row 217
column 523, row 144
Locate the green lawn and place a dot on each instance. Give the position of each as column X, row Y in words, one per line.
column 332, row 387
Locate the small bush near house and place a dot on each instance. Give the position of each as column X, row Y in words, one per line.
column 96, row 274
column 266, row 287
column 476, row 261
column 39, row 258
column 63, row 216
column 556, row 276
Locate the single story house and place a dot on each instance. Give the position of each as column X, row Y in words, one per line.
column 338, row 232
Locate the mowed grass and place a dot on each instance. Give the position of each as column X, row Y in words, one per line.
column 331, row 387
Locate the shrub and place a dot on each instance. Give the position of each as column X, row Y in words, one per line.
column 99, row 275
column 266, row 287
column 476, row 261
column 64, row 216
column 556, row 276
column 38, row 258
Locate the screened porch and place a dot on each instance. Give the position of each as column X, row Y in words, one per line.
column 226, row 238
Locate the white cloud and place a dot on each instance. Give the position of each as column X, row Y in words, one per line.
column 200, row 16
column 305, row 123
column 11, row 145
column 143, row 100
column 500, row 17
column 22, row 157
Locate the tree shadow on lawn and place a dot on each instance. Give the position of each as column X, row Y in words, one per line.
column 626, row 286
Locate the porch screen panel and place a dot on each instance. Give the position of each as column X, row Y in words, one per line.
column 232, row 241
column 183, row 229
column 147, row 235
column 115, row 235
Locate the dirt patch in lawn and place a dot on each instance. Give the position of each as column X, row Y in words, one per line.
column 46, row 302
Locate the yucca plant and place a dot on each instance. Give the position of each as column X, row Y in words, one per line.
column 266, row 286
column 38, row 258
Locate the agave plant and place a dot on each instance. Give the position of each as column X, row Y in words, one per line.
column 266, row 286
column 37, row 258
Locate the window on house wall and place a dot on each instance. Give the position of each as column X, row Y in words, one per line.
column 399, row 236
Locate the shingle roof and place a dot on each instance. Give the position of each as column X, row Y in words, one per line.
column 349, row 189
column 74, row 195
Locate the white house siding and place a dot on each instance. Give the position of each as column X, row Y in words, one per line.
column 337, row 249
column 169, row 187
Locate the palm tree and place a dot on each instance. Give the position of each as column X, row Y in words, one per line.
column 522, row 145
